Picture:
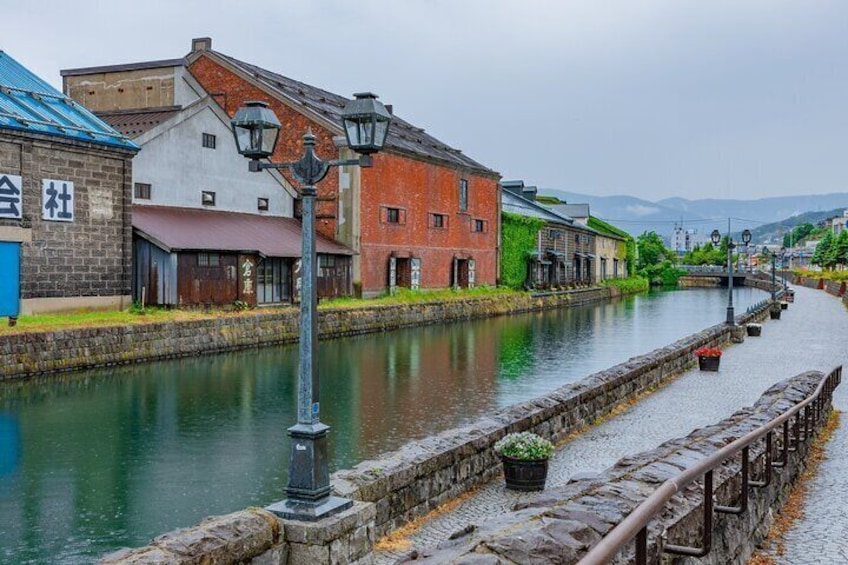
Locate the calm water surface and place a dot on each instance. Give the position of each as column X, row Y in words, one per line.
column 95, row 461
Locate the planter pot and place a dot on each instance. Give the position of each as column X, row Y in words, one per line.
column 708, row 363
column 524, row 475
column 784, row 305
column 774, row 313
column 754, row 331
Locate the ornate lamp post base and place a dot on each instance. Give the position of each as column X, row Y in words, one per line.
column 297, row 510
column 308, row 491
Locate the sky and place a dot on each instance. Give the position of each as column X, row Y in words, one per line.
column 739, row 99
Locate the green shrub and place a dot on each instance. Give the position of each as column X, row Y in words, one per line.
column 525, row 446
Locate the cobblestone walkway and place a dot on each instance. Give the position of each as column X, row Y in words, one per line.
column 811, row 335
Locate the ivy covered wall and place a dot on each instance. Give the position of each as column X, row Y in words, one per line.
column 519, row 235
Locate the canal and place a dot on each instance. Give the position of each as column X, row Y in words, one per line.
column 94, row 461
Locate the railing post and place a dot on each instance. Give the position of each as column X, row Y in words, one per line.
column 642, row 547
column 767, row 465
column 707, row 538
column 743, row 501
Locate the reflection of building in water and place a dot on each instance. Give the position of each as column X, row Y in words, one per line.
column 412, row 381
column 10, row 444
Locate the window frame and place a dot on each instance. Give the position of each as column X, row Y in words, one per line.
column 209, row 140
column 463, row 195
column 203, row 197
column 209, row 259
column 139, row 188
column 263, row 204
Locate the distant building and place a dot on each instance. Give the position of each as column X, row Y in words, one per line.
column 685, row 240
column 65, row 190
column 839, row 223
column 564, row 251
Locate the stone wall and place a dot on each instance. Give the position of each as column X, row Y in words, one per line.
column 561, row 525
column 836, row 288
column 425, row 474
column 688, row 281
column 34, row 353
column 257, row 537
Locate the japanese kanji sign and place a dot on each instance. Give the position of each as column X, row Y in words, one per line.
column 58, row 200
column 10, row 196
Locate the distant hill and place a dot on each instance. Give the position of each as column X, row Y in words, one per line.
column 636, row 215
column 773, row 233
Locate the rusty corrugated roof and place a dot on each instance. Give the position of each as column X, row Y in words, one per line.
column 187, row 229
column 134, row 123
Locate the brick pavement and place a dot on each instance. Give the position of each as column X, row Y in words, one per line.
column 811, row 335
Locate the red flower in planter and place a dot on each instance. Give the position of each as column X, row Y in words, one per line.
column 708, row 352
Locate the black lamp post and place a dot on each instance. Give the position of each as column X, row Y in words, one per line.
column 716, row 239
column 365, row 122
column 773, row 257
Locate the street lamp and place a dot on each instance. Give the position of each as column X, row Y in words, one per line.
column 773, row 257
column 365, row 122
column 716, row 239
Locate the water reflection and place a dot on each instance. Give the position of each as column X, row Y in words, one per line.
column 95, row 461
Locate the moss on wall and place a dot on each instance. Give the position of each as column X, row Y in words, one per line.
column 519, row 240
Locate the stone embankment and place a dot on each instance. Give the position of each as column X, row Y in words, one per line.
column 34, row 353
column 561, row 525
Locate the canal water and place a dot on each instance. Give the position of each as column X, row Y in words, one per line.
column 95, row 461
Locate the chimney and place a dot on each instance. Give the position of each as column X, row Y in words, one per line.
column 201, row 44
column 529, row 192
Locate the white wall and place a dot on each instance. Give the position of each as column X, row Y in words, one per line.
column 178, row 168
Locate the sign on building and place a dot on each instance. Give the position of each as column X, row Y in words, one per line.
column 10, row 197
column 57, row 200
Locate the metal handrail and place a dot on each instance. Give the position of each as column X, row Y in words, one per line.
column 635, row 525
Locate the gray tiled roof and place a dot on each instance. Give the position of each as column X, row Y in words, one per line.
column 403, row 136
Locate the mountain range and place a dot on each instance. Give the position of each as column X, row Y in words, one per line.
column 636, row 215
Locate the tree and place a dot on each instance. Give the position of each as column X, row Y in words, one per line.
column 841, row 249
column 821, row 255
column 651, row 250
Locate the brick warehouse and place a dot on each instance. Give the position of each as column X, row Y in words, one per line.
column 65, row 182
column 425, row 216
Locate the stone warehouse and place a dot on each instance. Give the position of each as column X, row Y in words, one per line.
column 65, row 175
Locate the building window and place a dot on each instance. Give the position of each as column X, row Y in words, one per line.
column 207, row 198
column 209, row 141
column 577, row 238
column 208, row 259
column 439, row 220
column 479, row 226
column 392, row 215
column 463, row 194
column 142, row 191
column 554, row 234
column 273, row 278
column 262, row 204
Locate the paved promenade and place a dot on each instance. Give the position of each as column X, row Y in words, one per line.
column 811, row 335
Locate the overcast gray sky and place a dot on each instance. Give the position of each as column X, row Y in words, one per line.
column 651, row 98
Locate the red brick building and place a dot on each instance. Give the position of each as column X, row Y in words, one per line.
column 425, row 216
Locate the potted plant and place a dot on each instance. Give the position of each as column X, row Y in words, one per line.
column 708, row 358
column 754, row 329
column 774, row 311
column 525, row 460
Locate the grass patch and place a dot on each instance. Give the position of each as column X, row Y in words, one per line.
column 149, row 315
column 408, row 296
column 630, row 285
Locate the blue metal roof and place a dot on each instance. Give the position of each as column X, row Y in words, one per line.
column 28, row 103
